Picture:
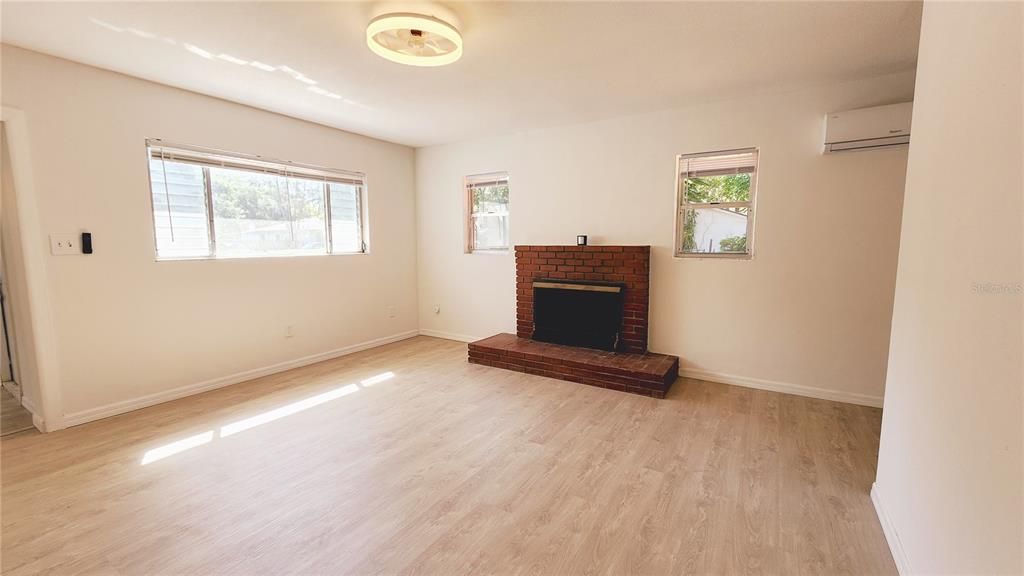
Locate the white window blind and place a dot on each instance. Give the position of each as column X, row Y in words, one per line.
column 180, row 219
column 209, row 157
column 721, row 164
column 215, row 204
column 481, row 180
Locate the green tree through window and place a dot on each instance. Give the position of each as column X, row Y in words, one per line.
column 714, row 189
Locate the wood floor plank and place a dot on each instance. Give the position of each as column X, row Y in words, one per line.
column 405, row 459
column 13, row 416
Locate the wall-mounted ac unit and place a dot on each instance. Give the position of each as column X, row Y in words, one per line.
column 865, row 128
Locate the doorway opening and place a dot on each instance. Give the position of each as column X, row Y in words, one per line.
column 14, row 417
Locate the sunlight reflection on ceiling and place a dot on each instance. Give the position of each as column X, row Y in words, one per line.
column 311, row 84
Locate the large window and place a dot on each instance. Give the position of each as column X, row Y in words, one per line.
column 209, row 204
column 487, row 199
column 715, row 212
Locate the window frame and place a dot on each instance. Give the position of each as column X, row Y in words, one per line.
column 470, row 182
column 207, row 158
column 683, row 206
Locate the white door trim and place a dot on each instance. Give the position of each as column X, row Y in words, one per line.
column 34, row 250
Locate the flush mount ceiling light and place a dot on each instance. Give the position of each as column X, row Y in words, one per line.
column 414, row 39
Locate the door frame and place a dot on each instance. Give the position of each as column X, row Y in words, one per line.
column 34, row 250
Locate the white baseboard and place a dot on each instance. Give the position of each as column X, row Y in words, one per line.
column 895, row 547
column 116, row 408
column 774, row 386
column 449, row 335
column 784, row 387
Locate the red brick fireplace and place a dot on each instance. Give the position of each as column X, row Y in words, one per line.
column 630, row 265
column 630, row 368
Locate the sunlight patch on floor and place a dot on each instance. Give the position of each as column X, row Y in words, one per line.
column 176, row 447
column 287, row 410
column 184, row 444
column 377, row 379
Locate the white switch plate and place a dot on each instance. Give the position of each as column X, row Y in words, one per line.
column 64, row 244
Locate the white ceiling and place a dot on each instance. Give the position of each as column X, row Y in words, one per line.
column 526, row 65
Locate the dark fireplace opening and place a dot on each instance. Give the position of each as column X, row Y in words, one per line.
column 577, row 312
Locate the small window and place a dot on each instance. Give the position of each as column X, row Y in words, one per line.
column 715, row 216
column 487, row 198
column 210, row 204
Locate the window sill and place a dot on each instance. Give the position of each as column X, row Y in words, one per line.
column 503, row 252
column 255, row 257
column 712, row 256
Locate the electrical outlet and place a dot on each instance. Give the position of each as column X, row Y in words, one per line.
column 289, row 331
column 437, row 309
column 391, row 312
column 64, row 244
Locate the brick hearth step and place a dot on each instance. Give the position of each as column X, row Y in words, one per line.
column 647, row 373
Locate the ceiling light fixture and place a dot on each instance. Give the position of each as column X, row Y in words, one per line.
column 414, row 39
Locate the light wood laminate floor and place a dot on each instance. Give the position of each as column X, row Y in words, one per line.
column 13, row 416
column 448, row 468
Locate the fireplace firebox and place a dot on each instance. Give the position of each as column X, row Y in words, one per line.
column 578, row 312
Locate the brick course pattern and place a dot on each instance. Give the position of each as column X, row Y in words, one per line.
column 630, row 265
column 647, row 374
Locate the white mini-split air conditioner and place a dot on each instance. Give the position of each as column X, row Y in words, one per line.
column 866, row 128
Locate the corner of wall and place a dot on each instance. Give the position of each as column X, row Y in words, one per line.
column 889, row 529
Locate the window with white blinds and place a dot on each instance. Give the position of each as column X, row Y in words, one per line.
column 715, row 212
column 214, row 204
column 487, row 200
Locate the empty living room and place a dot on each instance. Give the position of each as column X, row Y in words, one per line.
column 549, row 288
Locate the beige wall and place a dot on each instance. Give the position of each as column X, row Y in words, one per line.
column 809, row 314
column 949, row 474
column 130, row 329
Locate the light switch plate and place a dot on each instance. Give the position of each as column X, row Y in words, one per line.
column 65, row 244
